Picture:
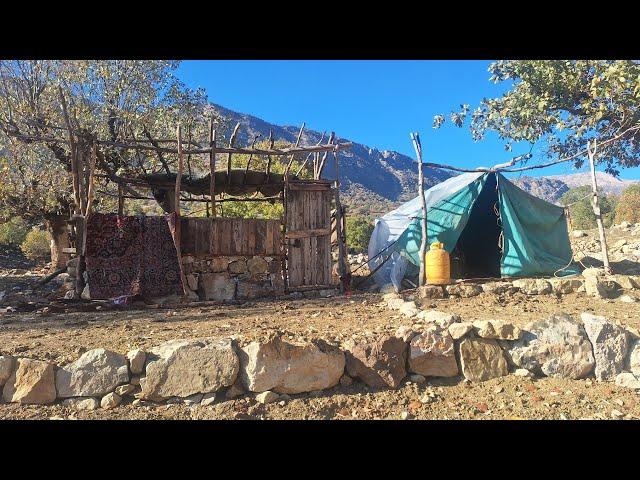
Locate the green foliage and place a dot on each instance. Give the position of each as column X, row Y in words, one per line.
column 564, row 103
column 14, row 231
column 36, row 245
column 628, row 207
column 579, row 201
column 359, row 230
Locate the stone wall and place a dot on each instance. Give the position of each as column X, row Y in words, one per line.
column 233, row 277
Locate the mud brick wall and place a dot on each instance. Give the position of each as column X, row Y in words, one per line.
column 233, row 277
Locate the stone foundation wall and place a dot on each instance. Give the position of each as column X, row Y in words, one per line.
column 233, row 277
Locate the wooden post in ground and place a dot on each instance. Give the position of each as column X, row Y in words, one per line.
column 423, row 242
column 591, row 151
column 212, row 167
column 342, row 264
column 178, row 227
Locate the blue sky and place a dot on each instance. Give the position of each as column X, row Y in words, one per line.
column 375, row 102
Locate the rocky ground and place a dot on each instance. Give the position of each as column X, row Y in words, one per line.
column 61, row 337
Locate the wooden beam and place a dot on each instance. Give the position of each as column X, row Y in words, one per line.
column 212, row 167
column 591, row 150
column 180, row 167
column 232, row 139
column 286, row 171
column 324, row 157
column 423, row 242
column 342, row 254
column 318, row 232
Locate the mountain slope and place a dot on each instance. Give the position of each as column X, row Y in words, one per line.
column 551, row 188
column 371, row 180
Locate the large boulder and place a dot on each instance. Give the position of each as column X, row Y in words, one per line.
column 610, row 345
column 32, row 381
column 432, row 353
column 533, row 286
column 96, row 373
column 216, row 286
column 377, row 362
column 459, row 330
column 180, row 368
column 431, row 291
column 600, row 287
column 289, row 368
column 556, row 347
column 497, row 329
column 482, row 359
column 566, row 285
column 634, row 358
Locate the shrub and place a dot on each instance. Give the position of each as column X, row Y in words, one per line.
column 359, row 231
column 581, row 211
column 13, row 232
column 628, row 207
column 36, row 245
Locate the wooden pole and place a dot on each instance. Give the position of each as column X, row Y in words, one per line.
column 180, row 167
column 318, row 174
column 232, row 139
column 178, row 226
column 415, row 137
column 591, row 150
column 342, row 270
column 286, row 171
column 212, row 167
column 120, row 200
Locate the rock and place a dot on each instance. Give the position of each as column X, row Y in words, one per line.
column 405, row 333
column 627, row 299
column 599, row 287
column 192, row 281
column 578, row 234
column 498, row 288
column 464, row 290
column 267, row 397
column 482, row 359
column 346, row 381
column 459, row 330
column 32, row 382
column 417, row 378
column 234, row 391
column 96, row 373
column 82, row 403
column 627, row 282
column 523, row 372
column 556, row 347
column 431, row 291
column 86, row 294
column 497, row 329
column 409, row 309
column 628, row 380
column 6, row 368
column 257, row 265
column 110, row 400
column 441, row 319
column 634, row 358
column 216, row 286
column 610, row 345
column 395, row 303
column 533, row 286
column 563, row 286
column 208, row 399
column 136, row 359
column 290, row 368
column 180, row 368
column 432, row 354
column 194, row 399
column 124, row 390
column 377, row 362
column 237, row 266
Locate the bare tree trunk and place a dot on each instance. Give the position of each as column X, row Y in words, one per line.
column 57, row 228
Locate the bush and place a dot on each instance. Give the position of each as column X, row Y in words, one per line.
column 36, row 245
column 581, row 211
column 13, row 232
column 628, row 207
column 359, row 230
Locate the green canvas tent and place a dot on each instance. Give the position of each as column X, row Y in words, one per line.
column 490, row 227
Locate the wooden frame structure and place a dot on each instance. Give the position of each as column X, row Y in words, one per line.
column 306, row 226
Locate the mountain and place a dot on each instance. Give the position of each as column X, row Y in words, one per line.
column 552, row 187
column 371, row 180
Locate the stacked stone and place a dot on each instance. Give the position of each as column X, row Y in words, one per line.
column 233, row 278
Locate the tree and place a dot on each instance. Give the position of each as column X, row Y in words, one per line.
column 563, row 103
column 628, row 207
column 581, row 211
column 121, row 101
column 359, row 230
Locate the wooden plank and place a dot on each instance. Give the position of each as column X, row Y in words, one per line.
column 310, row 187
column 316, row 232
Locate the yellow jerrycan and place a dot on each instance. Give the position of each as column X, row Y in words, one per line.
column 437, row 263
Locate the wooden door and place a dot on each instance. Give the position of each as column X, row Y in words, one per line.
column 308, row 234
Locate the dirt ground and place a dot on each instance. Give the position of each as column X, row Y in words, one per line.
column 61, row 338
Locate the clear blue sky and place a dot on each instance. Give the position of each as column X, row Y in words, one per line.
column 376, row 102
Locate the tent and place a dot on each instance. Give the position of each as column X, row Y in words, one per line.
column 490, row 227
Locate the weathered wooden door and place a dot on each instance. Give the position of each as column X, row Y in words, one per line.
column 308, row 234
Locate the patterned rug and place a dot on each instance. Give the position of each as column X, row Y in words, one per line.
column 129, row 256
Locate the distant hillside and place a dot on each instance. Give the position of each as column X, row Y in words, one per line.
column 371, row 180
column 551, row 188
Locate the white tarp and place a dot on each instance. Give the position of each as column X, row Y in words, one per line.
column 388, row 228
